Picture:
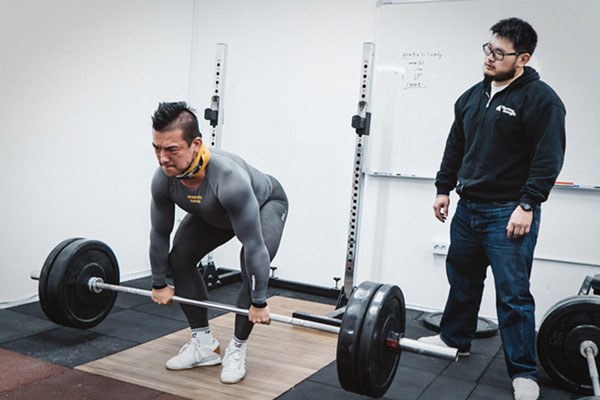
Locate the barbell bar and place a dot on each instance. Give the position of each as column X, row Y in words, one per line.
column 97, row 285
column 589, row 350
column 79, row 281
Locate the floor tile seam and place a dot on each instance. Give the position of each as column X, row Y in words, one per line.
column 155, row 315
column 334, row 385
column 488, row 383
column 26, row 314
column 452, row 377
column 120, row 339
column 123, row 339
column 426, row 387
column 14, row 339
column 429, row 370
column 441, row 374
column 472, row 390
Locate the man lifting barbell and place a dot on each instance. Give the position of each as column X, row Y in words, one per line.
column 79, row 282
column 224, row 197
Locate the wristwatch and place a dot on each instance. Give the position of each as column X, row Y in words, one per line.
column 525, row 206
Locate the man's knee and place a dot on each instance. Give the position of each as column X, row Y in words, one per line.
column 244, row 300
column 179, row 261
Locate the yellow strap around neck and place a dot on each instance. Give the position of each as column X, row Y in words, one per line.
column 198, row 165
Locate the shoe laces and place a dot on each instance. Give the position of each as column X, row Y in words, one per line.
column 185, row 346
column 196, row 348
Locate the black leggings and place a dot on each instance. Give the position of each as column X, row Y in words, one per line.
column 194, row 239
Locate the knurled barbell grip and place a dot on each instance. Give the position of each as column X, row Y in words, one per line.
column 96, row 284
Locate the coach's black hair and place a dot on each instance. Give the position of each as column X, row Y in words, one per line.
column 519, row 32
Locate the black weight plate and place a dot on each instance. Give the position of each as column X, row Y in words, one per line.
column 575, row 338
column 69, row 301
column 46, row 268
column 378, row 364
column 485, row 327
column 349, row 335
column 564, row 326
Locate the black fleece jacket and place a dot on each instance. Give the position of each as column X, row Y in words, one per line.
column 508, row 148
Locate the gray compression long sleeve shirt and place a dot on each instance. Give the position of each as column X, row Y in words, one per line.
column 229, row 197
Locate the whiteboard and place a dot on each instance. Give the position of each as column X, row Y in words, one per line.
column 429, row 52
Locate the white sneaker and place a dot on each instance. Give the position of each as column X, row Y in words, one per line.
column 234, row 365
column 194, row 354
column 526, row 389
column 437, row 341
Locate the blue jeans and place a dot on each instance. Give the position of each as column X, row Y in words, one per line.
column 478, row 239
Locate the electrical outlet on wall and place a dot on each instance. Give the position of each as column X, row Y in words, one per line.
column 440, row 248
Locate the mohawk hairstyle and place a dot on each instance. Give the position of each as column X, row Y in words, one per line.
column 177, row 115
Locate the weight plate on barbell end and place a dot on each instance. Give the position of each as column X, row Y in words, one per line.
column 386, row 313
column 349, row 335
column 564, row 327
column 46, row 268
column 578, row 335
column 68, row 300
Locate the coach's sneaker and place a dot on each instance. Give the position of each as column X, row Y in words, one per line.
column 437, row 341
column 196, row 354
column 526, row 389
column 234, row 364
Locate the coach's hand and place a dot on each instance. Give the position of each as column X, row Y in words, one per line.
column 519, row 224
column 440, row 207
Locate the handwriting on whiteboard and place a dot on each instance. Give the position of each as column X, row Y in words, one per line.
column 418, row 66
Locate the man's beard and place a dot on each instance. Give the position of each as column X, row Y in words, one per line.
column 502, row 76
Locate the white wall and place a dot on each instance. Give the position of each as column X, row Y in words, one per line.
column 81, row 79
column 79, row 88
column 79, row 82
column 292, row 86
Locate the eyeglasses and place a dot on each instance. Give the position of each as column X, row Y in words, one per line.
column 498, row 54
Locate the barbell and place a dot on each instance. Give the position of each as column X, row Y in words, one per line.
column 79, row 282
column 569, row 339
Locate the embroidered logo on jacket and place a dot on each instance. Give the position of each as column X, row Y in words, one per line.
column 506, row 110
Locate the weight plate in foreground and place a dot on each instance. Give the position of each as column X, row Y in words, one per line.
column 564, row 327
column 67, row 299
column 349, row 336
column 386, row 313
column 46, row 268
